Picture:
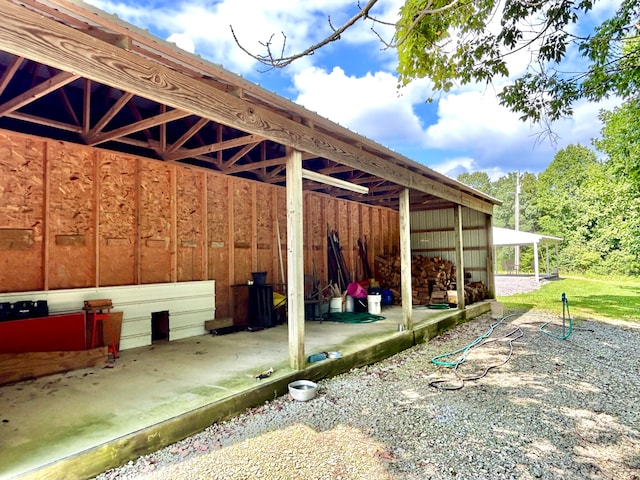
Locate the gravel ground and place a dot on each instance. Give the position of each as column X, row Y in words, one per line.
column 554, row 409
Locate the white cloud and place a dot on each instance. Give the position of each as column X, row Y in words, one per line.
column 183, row 41
column 369, row 105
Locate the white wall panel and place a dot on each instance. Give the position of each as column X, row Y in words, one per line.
column 189, row 304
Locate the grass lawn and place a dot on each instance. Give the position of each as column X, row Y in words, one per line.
column 587, row 298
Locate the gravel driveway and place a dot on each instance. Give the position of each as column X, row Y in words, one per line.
column 557, row 409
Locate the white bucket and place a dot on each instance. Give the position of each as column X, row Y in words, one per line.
column 497, row 310
column 349, row 306
column 335, row 305
column 373, row 304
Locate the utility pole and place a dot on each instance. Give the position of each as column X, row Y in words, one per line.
column 516, row 260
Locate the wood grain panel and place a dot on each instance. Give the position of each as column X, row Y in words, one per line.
column 22, row 207
column 117, row 218
column 72, row 215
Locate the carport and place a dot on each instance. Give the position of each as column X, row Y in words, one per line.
column 505, row 237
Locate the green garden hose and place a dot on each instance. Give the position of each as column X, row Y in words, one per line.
column 352, row 317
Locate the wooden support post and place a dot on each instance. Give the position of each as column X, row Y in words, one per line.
column 295, row 259
column 536, row 267
column 491, row 278
column 457, row 232
column 405, row 260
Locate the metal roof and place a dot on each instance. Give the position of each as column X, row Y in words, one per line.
column 506, row 237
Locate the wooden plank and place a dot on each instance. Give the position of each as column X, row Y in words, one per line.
column 491, row 279
column 405, row 260
column 295, row 260
column 459, row 243
column 217, row 323
column 16, row 239
column 71, row 240
column 39, row 91
column 43, row 40
column 15, row 367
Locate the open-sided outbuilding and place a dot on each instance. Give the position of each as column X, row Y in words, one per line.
column 127, row 162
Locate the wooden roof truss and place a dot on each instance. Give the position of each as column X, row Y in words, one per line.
column 112, row 86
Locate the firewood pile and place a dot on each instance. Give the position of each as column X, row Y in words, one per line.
column 432, row 277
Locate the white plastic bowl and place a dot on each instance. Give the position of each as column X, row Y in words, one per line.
column 303, row 390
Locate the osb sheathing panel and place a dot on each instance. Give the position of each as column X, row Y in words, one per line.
column 243, row 223
column 118, row 203
column 156, row 219
column 190, row 224
column 132, row 200
column 220, row 251
column 265, row 227
column 72, row 216
column 22, row 207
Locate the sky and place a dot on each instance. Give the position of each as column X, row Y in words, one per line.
column 353, row 81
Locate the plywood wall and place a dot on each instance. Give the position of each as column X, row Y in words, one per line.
column 73, row 216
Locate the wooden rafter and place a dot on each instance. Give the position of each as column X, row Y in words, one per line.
column 86, row 107
column 107, row 117
column 8, row 74
column 65, row 101
column 215, row 147
column 128, row 71
column 39, row 91
column 137, row 126
column 199, row 125
column 25, row 117
column 243, row 151
column 139, row 118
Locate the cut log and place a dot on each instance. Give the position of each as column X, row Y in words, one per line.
column 431, row 279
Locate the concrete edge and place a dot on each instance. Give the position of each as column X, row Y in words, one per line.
column 92, row 462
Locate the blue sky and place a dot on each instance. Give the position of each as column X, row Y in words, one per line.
column 353, row 81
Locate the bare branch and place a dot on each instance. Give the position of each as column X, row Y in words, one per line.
column 282, row 61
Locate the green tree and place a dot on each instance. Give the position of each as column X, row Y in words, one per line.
column 452, row 41
column 478, row 180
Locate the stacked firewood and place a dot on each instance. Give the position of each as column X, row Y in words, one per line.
column 431, row 278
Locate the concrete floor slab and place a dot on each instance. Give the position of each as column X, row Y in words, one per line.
column 50, row 424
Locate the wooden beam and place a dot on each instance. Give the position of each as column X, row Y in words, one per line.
column 43, row 40
column 8, row 74
column 214, row 147
column 405, row 260
column 137, row 126
column 107, row 117
column 39, row 91
column 491, row 278
column 459, row 244
column 25, row 117
column 184, row 138
column 121, row 41
column 243, row 151
column 295, row 260
column 252, row 166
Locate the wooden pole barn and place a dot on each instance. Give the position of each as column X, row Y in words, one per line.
column 127, row 162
